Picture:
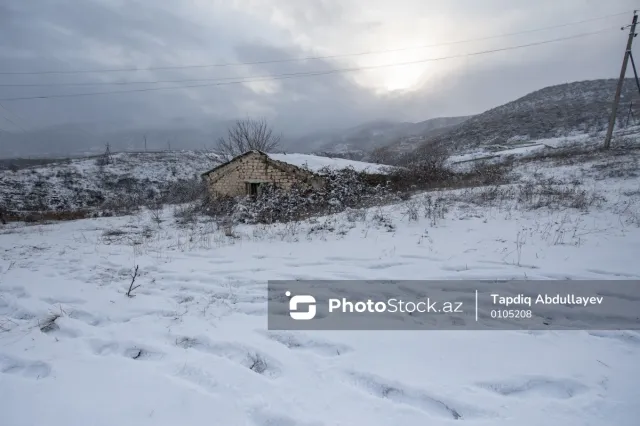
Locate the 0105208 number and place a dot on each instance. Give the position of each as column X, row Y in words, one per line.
column 511, row 313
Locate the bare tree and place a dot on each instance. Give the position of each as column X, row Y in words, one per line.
column 246, row 135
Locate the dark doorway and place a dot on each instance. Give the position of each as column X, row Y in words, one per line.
column 253, row 188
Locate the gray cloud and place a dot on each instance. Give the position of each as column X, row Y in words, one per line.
column 96, row 34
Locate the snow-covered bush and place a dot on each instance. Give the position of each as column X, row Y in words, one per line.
column 343, row 189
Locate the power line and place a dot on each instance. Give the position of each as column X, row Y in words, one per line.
column 307, row 74
column 273, row 61
column 10, row 120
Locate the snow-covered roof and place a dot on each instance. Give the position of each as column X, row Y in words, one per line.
column 316, row 163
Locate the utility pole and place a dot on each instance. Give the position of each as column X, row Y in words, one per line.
column 623, row 72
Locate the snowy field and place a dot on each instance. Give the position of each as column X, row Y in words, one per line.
column 191, row 347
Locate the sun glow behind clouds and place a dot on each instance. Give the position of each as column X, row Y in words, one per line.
column 409, row 74
column 404, row 77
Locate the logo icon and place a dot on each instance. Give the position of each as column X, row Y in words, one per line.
column 302, row 299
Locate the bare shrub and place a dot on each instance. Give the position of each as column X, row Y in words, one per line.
column 326, row 226
column 423, row 172
column 381, row 220
column 431, row 171
column 186, row 214
column 113, row 234
column 434, row 210
column 124, row 204
column 488, row 173
column 133, row 236
column 183, row 191
column 552, row 194
column 412, row 211
column 356, row 215
column 533, row 195
column 225, row 224
column 155, row 210
column 629, row 208
column 222, row 206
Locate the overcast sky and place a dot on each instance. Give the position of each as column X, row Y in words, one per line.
column 50, row 35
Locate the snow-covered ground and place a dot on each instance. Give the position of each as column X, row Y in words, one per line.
column 526, row 147
column 192, row 347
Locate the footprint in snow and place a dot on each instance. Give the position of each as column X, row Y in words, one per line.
column 546, row 387
column 262, row 417
column 302, row 342
column 125, row 349
column 401, row 394
column 30, row 369
column 246, row 356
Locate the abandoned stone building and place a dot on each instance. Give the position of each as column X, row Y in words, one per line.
column 245, row 174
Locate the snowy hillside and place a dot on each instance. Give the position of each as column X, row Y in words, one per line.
column 82, row 183
column 191, row 347
column 554, row 111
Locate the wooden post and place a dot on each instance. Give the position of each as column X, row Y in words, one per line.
column 623, row 71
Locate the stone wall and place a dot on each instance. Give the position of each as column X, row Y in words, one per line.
column 231, row 179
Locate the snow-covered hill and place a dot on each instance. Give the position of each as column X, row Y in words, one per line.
column 555, row 111
column 192, row 346
column 82, row 183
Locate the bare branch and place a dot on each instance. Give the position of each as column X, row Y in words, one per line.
column 133, row 280
column 246, row 135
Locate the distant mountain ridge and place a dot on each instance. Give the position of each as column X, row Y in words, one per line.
column 368, row 136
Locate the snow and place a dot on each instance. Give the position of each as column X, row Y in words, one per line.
column 316, row 163
column 182, row 350
column 523, row 148
column 72, row 184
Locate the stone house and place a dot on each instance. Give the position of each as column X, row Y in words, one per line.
column 245, row 174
